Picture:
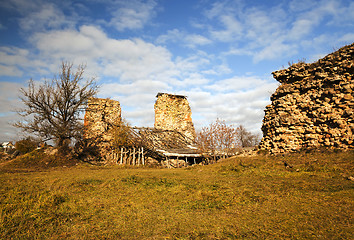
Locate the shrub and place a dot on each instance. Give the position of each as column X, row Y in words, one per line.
column 26, row 145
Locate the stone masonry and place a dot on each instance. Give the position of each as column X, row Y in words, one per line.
column 314, row 105
column 172, row 112
column 100, row 117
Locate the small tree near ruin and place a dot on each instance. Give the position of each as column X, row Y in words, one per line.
column 53, row 109
column 247, row 139
column 121, row 135
column 218, row 138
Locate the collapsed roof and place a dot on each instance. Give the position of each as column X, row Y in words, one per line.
column 162, row 144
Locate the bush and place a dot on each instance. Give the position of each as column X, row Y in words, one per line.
column 26, row 145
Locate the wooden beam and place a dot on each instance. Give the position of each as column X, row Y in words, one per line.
column 142, row 154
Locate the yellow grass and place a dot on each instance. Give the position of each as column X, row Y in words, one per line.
column 239, row 198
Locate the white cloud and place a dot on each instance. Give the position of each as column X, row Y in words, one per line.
column 136, row 88
column 9, row 103
column 236, row 84
column 132, row 14
column 11, row 60
column 130, row 60
column 196, row 39
column 8, row 96
column 22, row 6
column 191, row 63
column 347, row 38
column 274, row 50
column 233, row 29
column 278, row 30
column 47, row 16
column 307, row 20
column 219, row 8
column 173, row 35
column 12, row 71
column 343, row 15
column 300, row 28
column 183, row 38
column 237, row 100
column 301, row 5
column 7, row 131
column 247, row 30
column 239, row 52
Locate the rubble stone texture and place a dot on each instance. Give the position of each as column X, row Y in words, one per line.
column 172, row 112
column 100, row 117
column 314, row 105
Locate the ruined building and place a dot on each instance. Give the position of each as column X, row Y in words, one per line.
column 101, row 116
column 172, row 112
column 171, row 139
column 313, row 106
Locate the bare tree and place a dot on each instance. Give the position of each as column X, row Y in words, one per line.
column 218, row 138
column 247, row 139
column 53, row 110
column 121, row 134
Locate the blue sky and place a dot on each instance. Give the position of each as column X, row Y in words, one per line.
column 220, row 54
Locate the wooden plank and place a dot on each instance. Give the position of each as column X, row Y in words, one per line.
column 121, row 155
column 142, row 154
column 133, row 155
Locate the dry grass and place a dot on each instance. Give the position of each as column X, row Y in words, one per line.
column 36, row 160
column 248, row 198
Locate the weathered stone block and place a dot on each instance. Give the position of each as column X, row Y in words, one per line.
column 314, row 103
column 172, row 112
column 101, row 116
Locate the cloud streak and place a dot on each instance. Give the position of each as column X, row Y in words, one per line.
column 132, row 14
column 275, row 31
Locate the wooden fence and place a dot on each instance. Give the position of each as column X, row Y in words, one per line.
column 130, row 156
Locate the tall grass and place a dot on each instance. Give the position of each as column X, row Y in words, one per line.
column 248, row 198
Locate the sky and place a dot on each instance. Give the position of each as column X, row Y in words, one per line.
column 220, row 54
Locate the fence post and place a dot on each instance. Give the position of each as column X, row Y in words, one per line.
column 142, row 154
column 121, row 155
column 133, row 155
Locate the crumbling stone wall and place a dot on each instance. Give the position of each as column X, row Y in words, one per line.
column 313, row 106
column 100, row 117
column 172, row 112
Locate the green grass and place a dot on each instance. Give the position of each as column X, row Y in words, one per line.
column 238, row 198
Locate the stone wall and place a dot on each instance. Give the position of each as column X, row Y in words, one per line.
column 314, row 105
column 172, row 112
column 100, row 117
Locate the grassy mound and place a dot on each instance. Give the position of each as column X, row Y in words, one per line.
column 37, row 160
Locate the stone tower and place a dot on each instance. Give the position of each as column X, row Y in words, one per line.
column 172, row 112
column 313, row 106
column 100, row 116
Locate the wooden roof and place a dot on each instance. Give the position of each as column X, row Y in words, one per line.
column 165, row 143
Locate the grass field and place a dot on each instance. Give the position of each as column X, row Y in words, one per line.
column 238, row 198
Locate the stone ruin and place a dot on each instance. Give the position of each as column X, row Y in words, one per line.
column 172, row 112
column 172, row 136
column 101, row 116
column 313, row 107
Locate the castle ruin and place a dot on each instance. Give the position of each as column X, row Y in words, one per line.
column 171, row 138
column 101, row 116
column 172, row 112
column 314, row 105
